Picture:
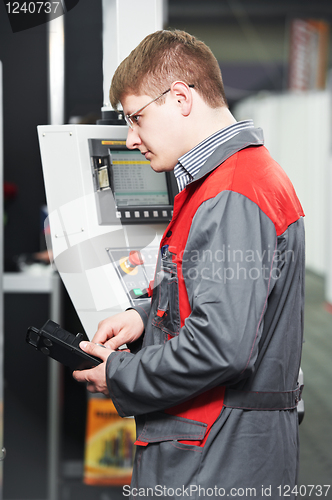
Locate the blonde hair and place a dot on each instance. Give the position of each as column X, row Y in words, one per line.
column 164, row 57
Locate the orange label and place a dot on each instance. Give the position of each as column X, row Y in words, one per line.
column 109, row 445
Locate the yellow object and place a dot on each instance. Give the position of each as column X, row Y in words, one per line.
column 109, row 448
column 114, row 143
column 125, row 269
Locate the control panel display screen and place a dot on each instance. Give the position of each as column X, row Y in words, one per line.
column 127, row 190
column 135, row 183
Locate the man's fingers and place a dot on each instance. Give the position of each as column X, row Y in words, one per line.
column 96, row 350
column 93, row 377
column 101, row 335
column 107, row 328
column 115, row 342
column 81, row 376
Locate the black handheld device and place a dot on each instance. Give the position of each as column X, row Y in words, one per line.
column 54, row 341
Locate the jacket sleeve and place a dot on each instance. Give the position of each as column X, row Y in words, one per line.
column 229, row 270
column 143, row 310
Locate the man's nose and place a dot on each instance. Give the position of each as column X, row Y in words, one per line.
column 133, row 139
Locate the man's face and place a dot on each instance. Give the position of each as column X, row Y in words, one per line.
column 156, row 131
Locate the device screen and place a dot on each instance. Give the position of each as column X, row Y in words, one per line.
column 127, row 190
column 135, row 183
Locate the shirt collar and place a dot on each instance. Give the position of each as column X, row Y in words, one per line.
column 191, row 162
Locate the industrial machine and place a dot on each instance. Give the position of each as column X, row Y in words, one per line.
column 107, row 212
column 107, row 208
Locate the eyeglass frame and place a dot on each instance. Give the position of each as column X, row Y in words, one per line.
column 128, row 119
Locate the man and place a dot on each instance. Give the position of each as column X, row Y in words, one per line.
column 211, row 376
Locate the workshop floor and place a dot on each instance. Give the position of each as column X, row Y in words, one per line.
column 316, row 428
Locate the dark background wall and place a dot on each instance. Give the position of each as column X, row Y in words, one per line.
column 25, row 103
column 24, row 59
column 25, row 106
column 84, row 77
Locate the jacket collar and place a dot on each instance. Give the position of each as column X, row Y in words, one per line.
column 244, row 139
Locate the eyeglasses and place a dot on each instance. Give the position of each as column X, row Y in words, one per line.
column 130, row 122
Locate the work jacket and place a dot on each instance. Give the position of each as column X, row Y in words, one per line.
column 213, row 387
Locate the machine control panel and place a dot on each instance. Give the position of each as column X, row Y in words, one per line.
column 127, row 190
column 135, row 270
column 104, row 202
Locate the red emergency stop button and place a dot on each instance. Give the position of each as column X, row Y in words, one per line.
column 135, row 258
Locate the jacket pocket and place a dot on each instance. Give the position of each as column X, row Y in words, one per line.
column 163, row 461
column 167, row 317
column 164, row 427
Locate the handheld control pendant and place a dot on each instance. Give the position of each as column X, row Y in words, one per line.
column 57, row 343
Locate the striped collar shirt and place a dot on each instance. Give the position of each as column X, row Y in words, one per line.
column 190, row 163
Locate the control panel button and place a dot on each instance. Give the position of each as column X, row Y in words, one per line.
column 136, row 213
column 146, row 213
column 155, row 213
column 127, row 214
column 136, row 258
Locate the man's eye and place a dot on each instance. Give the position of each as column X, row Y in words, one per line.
column 135, row 118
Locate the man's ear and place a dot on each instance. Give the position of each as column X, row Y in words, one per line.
column 183, row 95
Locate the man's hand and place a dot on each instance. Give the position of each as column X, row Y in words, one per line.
column 119, row 329
column 112, row 333
column 95, row 378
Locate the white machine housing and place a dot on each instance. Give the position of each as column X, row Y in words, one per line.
column 89, row 254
